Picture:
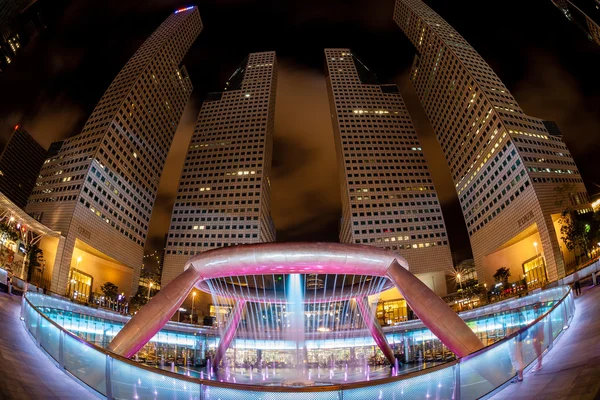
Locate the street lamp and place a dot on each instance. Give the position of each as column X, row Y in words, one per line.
column 459, row 281
column 192, row 314
column 536, row 250
column 149, row 287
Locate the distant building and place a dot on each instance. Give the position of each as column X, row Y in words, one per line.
column 25, row 26
column 20, row 164
column 388, row 197
column 583, row 14
column 9, row 11
column 224, row 190
column 98, row 191
column 54, row 149
column 507, row 166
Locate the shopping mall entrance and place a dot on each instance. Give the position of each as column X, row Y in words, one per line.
column 523, row 256
column 90, row 269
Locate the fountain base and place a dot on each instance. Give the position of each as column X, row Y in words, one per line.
column 297, row 382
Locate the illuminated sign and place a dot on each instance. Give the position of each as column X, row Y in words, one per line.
column 183, row 9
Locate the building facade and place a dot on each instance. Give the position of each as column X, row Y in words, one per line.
column 99, row 189
column 20, row 164
column 507, row 166
column 223, row 197
column 388, row 197
column 584, row 14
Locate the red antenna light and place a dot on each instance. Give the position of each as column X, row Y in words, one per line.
column 16, row 127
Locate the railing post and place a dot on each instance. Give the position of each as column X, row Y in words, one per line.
column 341, row 394
column 61, row 349
column 456, row 368
column 551, row 332
column 38, row 334
column 109, row 388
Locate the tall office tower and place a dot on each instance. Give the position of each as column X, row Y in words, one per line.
column 99, row 189
column 20, row 164
column 9, row 40
column 506, row 165
column 9, row 9
column 224, row 190
column 388, row 197
column 583, row 14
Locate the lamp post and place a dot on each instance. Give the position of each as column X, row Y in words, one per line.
column 535, row 246
column 485, row 289
column 192, row 314
column 149, row 287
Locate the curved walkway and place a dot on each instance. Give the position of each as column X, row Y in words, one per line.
column 572, row 368
column 25, row 371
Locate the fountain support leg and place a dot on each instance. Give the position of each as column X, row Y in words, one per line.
column 375, row 329
column 434, row 312
column 154, row 315
column 232, row 325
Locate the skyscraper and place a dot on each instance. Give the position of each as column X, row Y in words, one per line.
column 20, row 164
column 583, row 14
column 507, row 167
column 388, row 197
column 9, row 42
column 9, row 11
column 27, row 25
column 99, row 189
column 223, row 197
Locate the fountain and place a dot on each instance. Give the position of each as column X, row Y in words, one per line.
column 284, row 309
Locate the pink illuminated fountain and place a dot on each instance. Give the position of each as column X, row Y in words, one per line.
column 289, row 292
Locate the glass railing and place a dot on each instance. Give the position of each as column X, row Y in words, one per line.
column 470, row 377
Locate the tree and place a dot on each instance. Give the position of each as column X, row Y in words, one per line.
column 579, row 231
column 110, row 290
column 502, row 275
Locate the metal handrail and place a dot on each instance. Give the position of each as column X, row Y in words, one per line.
column 517, row 332
column 323, row 388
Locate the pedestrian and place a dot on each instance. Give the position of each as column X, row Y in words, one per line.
column 538, row 335
column 516, row 346
column 576, row 284
column 577, row 288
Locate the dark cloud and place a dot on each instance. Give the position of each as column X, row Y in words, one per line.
column 169, row 182
column 551, row 92
column 442, row 180
column 305, row 185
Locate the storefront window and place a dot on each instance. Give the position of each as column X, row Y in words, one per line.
column 80, row 285
column 535, row 272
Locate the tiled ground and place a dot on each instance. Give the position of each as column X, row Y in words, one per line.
column 25, row 371
column 572, row 368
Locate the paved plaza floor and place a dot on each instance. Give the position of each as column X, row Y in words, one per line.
column 571, row 370
column 25, row 371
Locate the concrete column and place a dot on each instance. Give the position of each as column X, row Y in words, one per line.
column 555, row 265
column 62, row 264
column 375, row 329
column 154, row 315
column 232, row 325
column 434, row 312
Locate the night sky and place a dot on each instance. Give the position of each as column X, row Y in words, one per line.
column 547, row 63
